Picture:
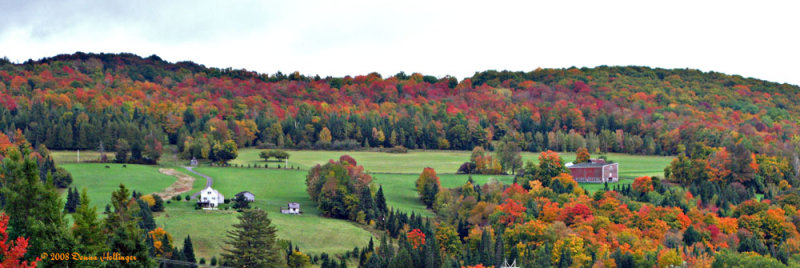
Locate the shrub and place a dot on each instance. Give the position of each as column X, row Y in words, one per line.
column 397, row 150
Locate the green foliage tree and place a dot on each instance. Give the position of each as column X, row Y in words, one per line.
column 252, row 243
column 508, row 153
column 335, row 187
column 241, row 202
column 159, row 205
column 34, row 207
column 62, row 178
column 380, row 201
column 225, row 151
column 188, row 250
column 122, row 148
column 87, row 231
column 125, row 235
column 428, row 186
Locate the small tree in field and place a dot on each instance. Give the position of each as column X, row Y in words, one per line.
column 428, row 186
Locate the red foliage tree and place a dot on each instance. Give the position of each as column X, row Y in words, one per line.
column 643, row 184
column 416, row 238
column 512, row 212
column 12, row 252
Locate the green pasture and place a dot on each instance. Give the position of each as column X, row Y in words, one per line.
column 443, row 162
column 273, row 189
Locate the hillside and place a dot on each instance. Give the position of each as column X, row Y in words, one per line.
column 81, row 100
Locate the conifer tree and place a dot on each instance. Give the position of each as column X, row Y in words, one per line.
column 89, row 236
column 159, row 205
column 380, row 201
column 146, row 221
column 188, row 250
column 42, row 221
column 252, row 243
column 126, row 237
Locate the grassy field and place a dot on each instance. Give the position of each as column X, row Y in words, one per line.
column 273, row 189
column 443, row 162
column 101, row 181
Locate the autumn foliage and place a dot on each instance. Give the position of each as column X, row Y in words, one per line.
column 12, row 251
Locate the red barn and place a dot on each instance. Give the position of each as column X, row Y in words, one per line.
column 596, row 170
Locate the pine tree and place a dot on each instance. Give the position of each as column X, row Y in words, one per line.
column 252, row 243
column 402, row 260
column 126, row 236
column 188, row 250
column 159, row 205
column 71, row 204
column 380, row 201
column 146, row 221
column 499, row 248
column 87, row 231
column 34, row 208
column 366, row 203
column 486, row 248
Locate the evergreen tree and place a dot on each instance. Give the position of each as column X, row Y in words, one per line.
column 126, row 236
column 365, row 202
column 486, row 251
column 402, row 260
column 72, row 200
column 691, row 236
column 241, row 202
column 252, row 243
column 89, row 236
column 34, row 208
column 380, row 201
column 188, row 250
column 499, row 250
column 159, row 205
column 146, row 221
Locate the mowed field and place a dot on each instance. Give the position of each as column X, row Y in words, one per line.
column 101, row 181
column 443, row 162
column 274, row 188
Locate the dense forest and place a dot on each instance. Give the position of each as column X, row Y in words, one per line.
column 89, row 101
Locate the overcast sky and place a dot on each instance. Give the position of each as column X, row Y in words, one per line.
column 758, row 39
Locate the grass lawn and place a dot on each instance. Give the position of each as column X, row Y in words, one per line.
column 273, row 189
column 443, row 162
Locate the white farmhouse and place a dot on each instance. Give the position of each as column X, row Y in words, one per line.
column 210, row 198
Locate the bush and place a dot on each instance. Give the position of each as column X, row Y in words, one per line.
column 345, row 145
column 188, row 197
column 62, row 178
column 396, row 150
column 214, row 261
column 467, row 168
column 202, row 260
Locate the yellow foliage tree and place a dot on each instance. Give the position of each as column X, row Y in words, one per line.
column 149, row 199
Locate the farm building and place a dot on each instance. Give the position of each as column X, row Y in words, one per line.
column 247, row 196
column 210, row 198
column 596, row 170
column 293, row 208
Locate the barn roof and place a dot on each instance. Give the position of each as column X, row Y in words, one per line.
column 590, row 165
